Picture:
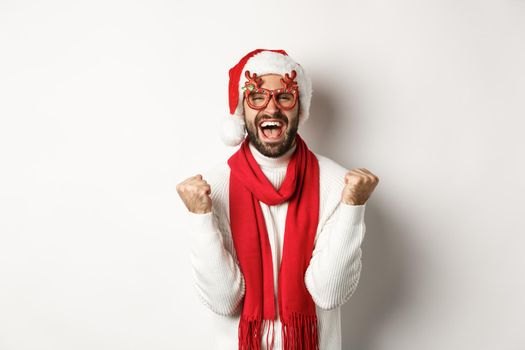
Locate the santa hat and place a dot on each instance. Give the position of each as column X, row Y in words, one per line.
column 261, row 61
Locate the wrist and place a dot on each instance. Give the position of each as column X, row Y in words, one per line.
column 351, row 202
column 201, row 211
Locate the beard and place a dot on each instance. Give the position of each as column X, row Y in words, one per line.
column 272, row 150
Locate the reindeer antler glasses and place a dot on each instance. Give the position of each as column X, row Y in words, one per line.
column 258, row 97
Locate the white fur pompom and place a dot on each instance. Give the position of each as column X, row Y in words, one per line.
column 233, row 130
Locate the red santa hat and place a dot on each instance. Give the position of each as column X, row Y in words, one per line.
column 261, row 61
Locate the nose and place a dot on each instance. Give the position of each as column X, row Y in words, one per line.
column 271, row 108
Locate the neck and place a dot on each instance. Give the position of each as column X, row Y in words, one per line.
column 271, row 162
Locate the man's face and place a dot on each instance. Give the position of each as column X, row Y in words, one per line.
column 271, row 145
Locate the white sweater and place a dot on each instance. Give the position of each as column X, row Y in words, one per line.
column 334, row 270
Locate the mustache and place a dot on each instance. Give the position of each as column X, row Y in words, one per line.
column 278, row 116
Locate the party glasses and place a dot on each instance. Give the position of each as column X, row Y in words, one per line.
column 258, row 97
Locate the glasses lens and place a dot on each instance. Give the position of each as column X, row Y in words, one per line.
column 258, row 99
column 285, row 99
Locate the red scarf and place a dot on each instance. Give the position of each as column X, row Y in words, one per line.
column 300, row 187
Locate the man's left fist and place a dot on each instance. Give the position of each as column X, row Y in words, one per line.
column 360, row 184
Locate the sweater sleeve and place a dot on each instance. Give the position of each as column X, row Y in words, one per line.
column 335, row 267
column 216, row 275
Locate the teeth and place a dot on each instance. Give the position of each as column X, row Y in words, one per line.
column 264, row 124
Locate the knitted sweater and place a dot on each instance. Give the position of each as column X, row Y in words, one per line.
column 331, row 277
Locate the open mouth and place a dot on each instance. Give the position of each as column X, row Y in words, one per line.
column 272, row 130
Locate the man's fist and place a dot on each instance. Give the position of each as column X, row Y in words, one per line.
column 195, row 193
column 359, row 186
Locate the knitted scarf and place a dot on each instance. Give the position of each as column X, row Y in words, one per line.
column 300, row 187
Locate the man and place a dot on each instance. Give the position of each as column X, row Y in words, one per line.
column 277, row 228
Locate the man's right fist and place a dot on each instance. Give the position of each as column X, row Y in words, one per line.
column 195, row 193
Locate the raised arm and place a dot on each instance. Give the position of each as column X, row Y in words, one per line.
column 335, row 266
column 216, row 274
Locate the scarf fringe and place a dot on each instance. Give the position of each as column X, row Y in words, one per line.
column 300, row 333
column 250, row 333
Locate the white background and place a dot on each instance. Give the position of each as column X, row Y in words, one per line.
column 106, row 105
